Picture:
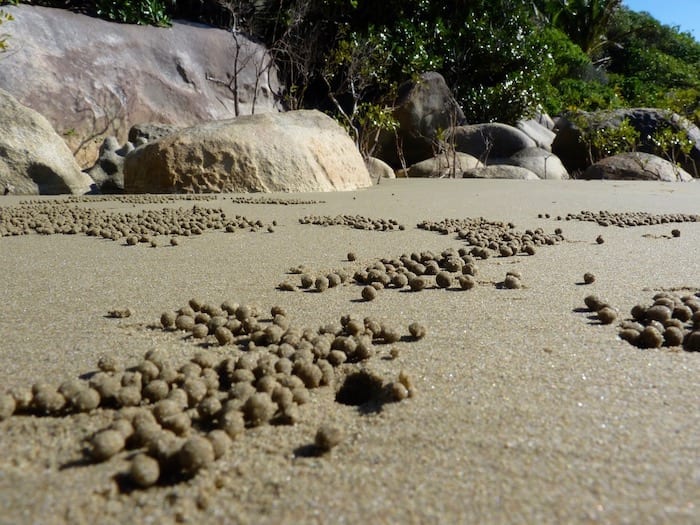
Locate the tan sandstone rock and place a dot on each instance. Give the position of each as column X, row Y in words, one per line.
column 293, row 151
column 33, row 158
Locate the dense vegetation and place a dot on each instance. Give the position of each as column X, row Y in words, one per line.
column 503, row 59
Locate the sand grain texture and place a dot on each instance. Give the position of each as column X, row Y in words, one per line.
column 525, row 410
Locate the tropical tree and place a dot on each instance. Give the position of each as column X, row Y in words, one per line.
column 585, row 22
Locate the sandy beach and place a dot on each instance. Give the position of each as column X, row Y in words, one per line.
column 526, row 408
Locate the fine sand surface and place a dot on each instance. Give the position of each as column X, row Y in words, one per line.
column 525, row 411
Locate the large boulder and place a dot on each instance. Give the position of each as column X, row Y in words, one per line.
column 575, row 153
column 444, row 166
column 378, row 169
column 484, row 141
column 425, row 110
column 541, row 162
column 33, row 158
column 542, row 135
column 92, row 78
column 636, row 166
column 501, row 171
column 294, row 151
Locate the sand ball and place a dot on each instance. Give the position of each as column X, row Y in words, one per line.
column 144, row 470
column 128, row 396
column 650, row 337
column 196, row 453
column 46, row 400
column 676, row 232
column 352, row 256
column 179, row 423
column 607, row 315
column 599, row 239
column 301, row 395
column 417, row 330
column 106, row 443
column 417, row 284
column 308, row 372
column 398, row 390
column 399, row 280
column 512, row 282
column 466, row 282
column 321, row 284
column 658, row 313
column 259, row 409
column 108, row 363
column 224, row 336
column 156, row 390
column 184, row 322
column 588, row 278
column 7, row 406
column 232, row 422
column 673, row 336
column 220, row 442
column 70, row 388
column 443, row 279
column 594, row 303
column 328, row 437
column 369, row 293
column 86, row 400
column 692, row 341
column 390, row 335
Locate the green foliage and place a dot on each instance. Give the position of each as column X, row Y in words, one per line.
column 672, row 144
column 142, row 12
column 654, row 64
column 605, row 141
column 4, row 17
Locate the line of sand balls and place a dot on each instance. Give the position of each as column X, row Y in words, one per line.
column 274, row 200
column 493, row 238
column 451, row 269
column 58, row 217
column 357, row 222
column 170, row 422
column 627, row 219
column 130, row 198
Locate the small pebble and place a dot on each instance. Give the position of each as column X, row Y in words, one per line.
column 588, row 278
column 599, row 239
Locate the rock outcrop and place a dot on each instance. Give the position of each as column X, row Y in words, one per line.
column 574, row 153
column 93, row 79
column 444, row 166
column 484, row 141
column 541, row 162
column 501, row 171
column 294, row 151
column 425, row 109
column 637, row 166
column 33, row 158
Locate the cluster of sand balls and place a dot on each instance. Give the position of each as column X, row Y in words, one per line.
column 493, row 238
column 358, row 222
column 455, row 269
column 671, row 320
column 605, row 313
column 274, row 200
column 62, row 217
column 170, row 421
column 628, row 219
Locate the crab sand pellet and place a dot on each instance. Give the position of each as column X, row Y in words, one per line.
column 178, row 418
